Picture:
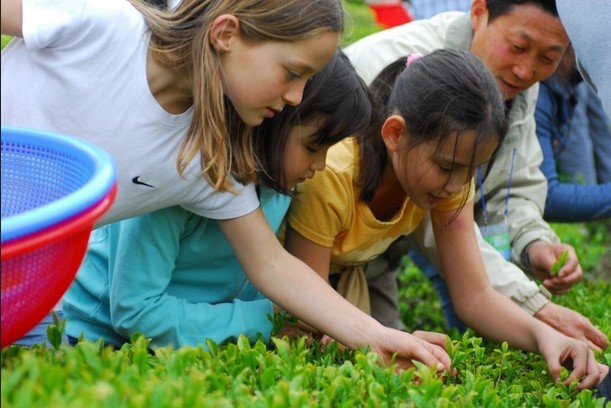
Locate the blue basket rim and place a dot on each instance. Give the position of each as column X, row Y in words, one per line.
column 94, row 190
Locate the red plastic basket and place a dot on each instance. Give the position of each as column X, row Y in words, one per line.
column 38, row 269
column 54, row 189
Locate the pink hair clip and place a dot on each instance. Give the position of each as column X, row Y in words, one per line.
column 411, row 58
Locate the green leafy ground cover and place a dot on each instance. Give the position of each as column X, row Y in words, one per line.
column 297, row 374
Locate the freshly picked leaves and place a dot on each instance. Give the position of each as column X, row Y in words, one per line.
column 560, row 262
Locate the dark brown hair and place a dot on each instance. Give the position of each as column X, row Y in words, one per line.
column 438, row 95
column 336, row 97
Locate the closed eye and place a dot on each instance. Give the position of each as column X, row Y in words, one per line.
column 445, row 169
column 293, row 75
column 548, row 60
column 312, row 149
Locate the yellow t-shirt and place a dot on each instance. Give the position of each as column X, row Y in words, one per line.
column 327, row 211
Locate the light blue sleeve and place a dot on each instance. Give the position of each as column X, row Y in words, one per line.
column 587, row 24
column 145, row 258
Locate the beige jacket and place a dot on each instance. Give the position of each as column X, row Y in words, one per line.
column 528, row 184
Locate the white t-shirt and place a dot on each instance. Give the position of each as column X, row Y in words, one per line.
column 80, row 70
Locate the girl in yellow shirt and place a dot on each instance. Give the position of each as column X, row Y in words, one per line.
column 438, row 119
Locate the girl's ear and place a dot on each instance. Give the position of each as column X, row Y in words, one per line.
column 479, row 13
column 224, row 29
column 393, row 130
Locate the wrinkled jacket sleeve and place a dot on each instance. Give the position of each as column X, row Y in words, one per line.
column 516, row 169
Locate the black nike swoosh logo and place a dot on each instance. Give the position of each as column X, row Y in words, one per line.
column 136, row 181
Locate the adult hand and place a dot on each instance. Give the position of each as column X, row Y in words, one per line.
column 560, row 350
column 573, row 324
column 542, row 256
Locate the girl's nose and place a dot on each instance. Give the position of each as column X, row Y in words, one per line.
column 320, row 161
column 294, row 93
column 456, row 183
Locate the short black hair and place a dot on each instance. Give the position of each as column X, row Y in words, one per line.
column 498, row 8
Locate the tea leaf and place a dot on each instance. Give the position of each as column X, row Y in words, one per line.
column 560, row 262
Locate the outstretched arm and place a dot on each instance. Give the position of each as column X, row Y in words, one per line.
column 481, row 307
column 507, row 279
column 291, row 284
column 11, row 17
column 316, row 256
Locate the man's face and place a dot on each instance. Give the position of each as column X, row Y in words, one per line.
column 520, row 48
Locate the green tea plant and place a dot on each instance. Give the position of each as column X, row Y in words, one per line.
column 300, row 373
column 285, row 374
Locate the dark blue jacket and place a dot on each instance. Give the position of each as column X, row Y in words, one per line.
column 565, row 202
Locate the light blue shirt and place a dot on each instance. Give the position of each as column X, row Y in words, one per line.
column 428, row 8
column 172, row 276
column 587, row 24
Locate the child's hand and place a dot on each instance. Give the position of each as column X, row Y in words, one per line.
column 437, row 339
column 424, row 347
column 293, row 327
column 560, row 350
